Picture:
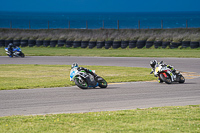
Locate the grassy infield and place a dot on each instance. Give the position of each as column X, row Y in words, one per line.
column 43, row 76
column 164, row 119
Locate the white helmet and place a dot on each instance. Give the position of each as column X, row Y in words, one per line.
column 74, row 65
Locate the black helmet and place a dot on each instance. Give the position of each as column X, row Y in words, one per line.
column 153, row 63
column 74, row 65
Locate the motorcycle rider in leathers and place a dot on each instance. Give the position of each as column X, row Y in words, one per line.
column 153, row 64
column 10, row 49
column 82, row 68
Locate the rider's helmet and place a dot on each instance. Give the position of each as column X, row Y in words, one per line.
column 153, row 63
column 74, row 65
column 10, row 44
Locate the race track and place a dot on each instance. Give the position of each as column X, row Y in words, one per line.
column 117, row 96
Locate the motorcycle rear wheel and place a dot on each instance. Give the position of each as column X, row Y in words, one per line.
column 22, row 55
column 81, row 83
column 181, row 79
column 167, row 79
column 102, row 82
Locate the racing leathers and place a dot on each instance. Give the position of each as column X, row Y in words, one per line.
column 10, row 49
column 86, row 70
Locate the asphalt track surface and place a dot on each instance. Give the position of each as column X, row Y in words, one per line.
column 118, row 96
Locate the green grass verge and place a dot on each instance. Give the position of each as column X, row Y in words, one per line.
column 154, row 120
column 43, row 76
column 43, row 51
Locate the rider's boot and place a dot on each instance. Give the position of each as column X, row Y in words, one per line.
column 159, row 80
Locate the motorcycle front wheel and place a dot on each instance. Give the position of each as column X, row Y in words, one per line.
column 167, row 79
column 80, row 82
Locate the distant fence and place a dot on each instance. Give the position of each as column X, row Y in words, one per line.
column 68, row 26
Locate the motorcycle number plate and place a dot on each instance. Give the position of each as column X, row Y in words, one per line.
column 72, row 74
column 157, row 69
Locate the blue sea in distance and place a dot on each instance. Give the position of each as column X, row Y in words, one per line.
column 147, row 20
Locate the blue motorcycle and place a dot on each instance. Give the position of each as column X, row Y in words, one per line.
column 16, row 52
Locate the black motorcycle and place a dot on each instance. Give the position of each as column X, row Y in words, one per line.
column 85, row 80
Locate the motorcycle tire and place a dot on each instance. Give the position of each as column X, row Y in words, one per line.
column 79, row 84
column 102, row 82
column 22, row 55
column 167, row 79
column 100, row 44
column 181, row 79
